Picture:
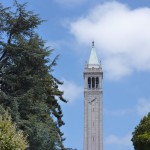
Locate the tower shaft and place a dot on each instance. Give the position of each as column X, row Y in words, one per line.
column 93, row 118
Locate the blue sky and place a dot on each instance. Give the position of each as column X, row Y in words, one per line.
column 121, row 31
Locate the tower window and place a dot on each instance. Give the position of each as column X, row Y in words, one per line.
column 89, row 82
column 97, row 82
column 93, row 82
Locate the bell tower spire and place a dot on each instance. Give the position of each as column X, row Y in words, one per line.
column 93, row 75
column 93, row 60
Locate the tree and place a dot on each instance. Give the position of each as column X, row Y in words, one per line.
column 141, row 135
column 27, row 87
column 10, row 138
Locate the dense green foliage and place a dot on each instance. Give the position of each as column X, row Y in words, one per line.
column 141, row 135
column 10, row 138
column 28, row 90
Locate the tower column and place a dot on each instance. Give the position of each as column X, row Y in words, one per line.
column 93, row 75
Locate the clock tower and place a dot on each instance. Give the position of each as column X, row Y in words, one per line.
column 93, row 118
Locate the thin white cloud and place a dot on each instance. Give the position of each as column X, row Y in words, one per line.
column 119, row 142
column 57, row 45
column 117, row 113
column 121, row 34
column 72, row 91
column 143, row 106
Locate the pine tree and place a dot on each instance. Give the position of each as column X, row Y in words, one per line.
column 27, row 87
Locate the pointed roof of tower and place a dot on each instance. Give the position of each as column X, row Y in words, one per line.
column 93, row 60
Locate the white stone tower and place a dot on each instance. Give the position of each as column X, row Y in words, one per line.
column 93, row 118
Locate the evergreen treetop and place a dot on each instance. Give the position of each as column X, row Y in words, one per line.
column 27, row 87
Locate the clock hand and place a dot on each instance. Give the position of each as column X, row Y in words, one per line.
column 92, row 100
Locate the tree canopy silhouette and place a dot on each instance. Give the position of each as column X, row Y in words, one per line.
column 27, row 87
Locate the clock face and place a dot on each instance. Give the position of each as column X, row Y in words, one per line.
column 91, row 99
